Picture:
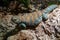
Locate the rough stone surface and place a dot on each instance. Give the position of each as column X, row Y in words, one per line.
column 24, row 35
column 47, row 30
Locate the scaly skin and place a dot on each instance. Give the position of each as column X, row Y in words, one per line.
column 33, row 19
column 48, row 10
column 28, row 19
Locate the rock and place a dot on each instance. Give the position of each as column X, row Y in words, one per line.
column 6, row 25
column 54, row 22
column 24, row 35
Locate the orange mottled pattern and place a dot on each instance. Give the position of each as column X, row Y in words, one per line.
column 27, row 17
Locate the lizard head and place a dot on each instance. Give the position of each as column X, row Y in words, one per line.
column 16, row 20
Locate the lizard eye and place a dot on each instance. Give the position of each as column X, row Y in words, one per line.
column 15, row 19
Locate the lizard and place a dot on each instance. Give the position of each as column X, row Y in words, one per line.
column 33, row 19
column 30, row 19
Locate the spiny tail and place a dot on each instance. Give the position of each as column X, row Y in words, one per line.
column 48, row 10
